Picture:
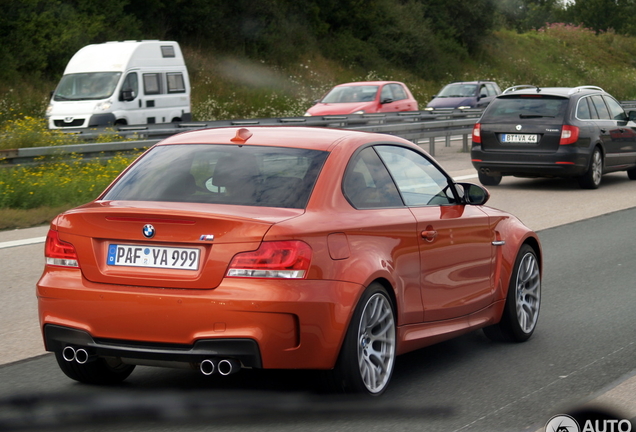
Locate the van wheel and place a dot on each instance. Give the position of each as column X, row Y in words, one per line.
column 631, row 173
column 176, row 120
column 121, row 122
column 592, row 178
column 487, row 180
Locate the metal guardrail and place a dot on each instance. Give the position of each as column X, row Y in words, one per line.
column 412, row 125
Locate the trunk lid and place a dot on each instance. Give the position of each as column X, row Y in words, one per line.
column 188, row 249
column 524, row 123
column 522, row 136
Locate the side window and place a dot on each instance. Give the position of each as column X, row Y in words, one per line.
column 616, row 110
column 419, row 181
column 482, row 91
column 367, row 184
column 491, row 90
column 131, row 84
column 601, row 109
column 175, row 82
column 152, row 83
column 583, row 109
column 398, row 92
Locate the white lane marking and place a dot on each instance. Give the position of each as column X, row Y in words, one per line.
column 23, row 242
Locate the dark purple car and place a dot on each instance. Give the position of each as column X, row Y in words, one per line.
column 464, row 95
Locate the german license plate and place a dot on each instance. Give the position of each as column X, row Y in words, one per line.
column 519, row 138
column 153, row 256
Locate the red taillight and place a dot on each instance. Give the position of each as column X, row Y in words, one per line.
column 281, row 259
column 477, row 133
column 58, row 252
column 569, row 135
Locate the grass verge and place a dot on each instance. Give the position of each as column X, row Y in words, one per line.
column 17, row 218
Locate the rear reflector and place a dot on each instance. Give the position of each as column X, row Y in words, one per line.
column 281, row 259
column 58, row 252
column 569, row 135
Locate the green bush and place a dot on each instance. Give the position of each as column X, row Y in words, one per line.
column 58, row 181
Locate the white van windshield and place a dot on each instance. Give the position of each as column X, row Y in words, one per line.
column 87, row 86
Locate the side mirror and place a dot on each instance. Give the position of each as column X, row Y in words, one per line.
column 473, row 194
column 127, row 95
column 632, row 115
column 386, row 101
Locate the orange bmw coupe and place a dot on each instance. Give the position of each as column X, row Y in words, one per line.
column 282, row 248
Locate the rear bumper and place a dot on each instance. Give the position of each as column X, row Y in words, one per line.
column 568, row 161
column 245, row 350
column 273, row 324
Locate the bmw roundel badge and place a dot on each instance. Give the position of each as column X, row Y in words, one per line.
column 149, row 231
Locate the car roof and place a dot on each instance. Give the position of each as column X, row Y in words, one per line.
column 471, row 82
column 556, row 91
column 355, row 83
column 279, row 136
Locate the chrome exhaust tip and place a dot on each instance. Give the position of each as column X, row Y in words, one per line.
column 207, row 367
column 228, row 366
column 68, row 353
column 81, row 356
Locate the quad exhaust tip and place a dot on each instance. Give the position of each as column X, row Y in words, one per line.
column 79, row 355
column 223, row 367
column 207, row 367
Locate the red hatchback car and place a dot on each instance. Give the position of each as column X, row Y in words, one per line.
column 282, row 248
column 365, row 97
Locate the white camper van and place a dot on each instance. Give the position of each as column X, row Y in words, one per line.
column 127, row 83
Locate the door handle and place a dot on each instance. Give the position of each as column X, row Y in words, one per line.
column 429, row 235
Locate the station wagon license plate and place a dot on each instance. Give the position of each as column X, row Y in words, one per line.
column 153, row 256
column 519, row 138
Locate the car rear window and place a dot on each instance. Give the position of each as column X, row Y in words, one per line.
column 528, row 107
column 222, row 174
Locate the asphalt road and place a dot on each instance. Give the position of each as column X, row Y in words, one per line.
column 584, row 350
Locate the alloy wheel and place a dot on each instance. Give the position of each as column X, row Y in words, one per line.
column 528, row 288
column 376, row 343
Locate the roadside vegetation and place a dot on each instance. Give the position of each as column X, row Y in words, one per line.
column 242, row 64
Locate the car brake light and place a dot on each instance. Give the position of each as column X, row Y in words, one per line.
column 58, row 252
column 477, row 133
column 569, row 135
column 280, row 259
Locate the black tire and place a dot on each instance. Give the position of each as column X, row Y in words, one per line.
column 592, row 177
column 367, row 356
column 488, row 180
column 97, row 371
column 631, row 173
column 523, row 300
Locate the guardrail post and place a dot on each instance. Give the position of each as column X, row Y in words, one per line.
column 431, row 146
column 447, row 139
column 465, row 143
